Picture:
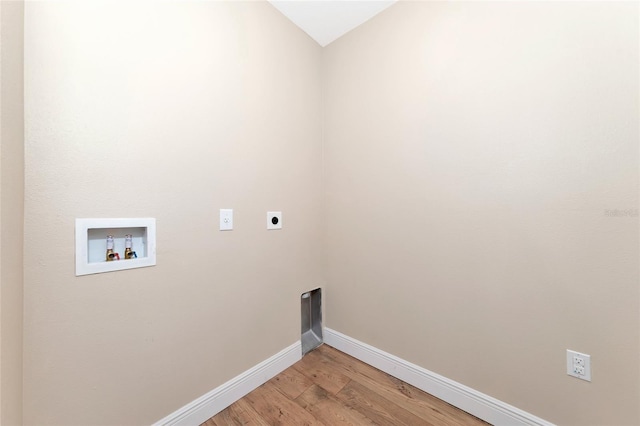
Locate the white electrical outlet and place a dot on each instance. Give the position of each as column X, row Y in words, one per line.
column 579, row 365
column 274, row 220
column 226, row 219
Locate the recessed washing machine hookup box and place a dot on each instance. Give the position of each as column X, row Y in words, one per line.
column 106, row 245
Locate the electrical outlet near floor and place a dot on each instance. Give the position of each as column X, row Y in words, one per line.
column 579, row 365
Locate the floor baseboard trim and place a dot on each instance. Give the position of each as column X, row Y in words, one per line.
column 470, row 400
column 211, row 403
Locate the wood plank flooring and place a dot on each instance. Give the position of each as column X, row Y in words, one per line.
column 328, row 387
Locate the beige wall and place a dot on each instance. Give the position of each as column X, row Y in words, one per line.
column 11, row 209
column 170, row 110
column 471, row 153
column 472, row 150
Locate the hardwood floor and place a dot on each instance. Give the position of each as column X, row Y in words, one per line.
column 328, row 387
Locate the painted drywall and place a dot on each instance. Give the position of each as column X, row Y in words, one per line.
column 326, row 21
column 481, row 163
column 498, row 141
column 170, row 110
column 11, row 210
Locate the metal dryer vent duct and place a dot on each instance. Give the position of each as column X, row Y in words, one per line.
column 311, row 310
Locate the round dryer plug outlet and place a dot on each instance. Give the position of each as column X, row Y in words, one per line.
column 274, row 220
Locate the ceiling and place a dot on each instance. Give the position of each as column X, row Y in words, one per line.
column 327, row 20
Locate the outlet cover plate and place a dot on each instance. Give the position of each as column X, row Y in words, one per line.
column 274, row 220
column 579, row 365
column 226, row 219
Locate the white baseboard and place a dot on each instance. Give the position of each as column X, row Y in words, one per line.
column 211, row 403
column 480, row 405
